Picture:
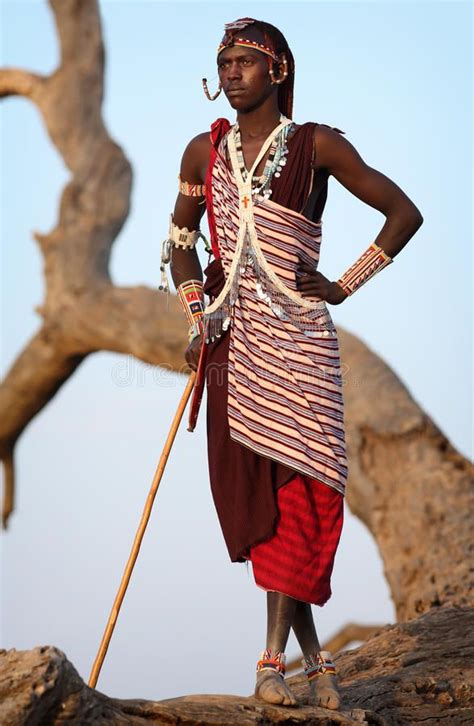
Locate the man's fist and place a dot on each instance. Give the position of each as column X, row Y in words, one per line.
column 192, row 352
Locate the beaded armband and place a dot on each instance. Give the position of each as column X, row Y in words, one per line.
column 191, row 295
column 317, row 664
column 369, row 263
column 191, row 190
column 177, row 237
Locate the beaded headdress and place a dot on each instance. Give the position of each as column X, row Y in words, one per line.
column 271, row 36
column 231, row 40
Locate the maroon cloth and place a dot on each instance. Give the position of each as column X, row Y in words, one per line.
column 244, row 484
column 292, row 187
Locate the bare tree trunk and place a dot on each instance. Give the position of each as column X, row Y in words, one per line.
column 408, row 484
column 83, row 310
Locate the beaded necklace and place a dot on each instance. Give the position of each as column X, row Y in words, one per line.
column 274, row 164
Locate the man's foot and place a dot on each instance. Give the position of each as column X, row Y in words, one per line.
column 272, row 688
column 323, row 691
column 322, row 680
column 270, row 685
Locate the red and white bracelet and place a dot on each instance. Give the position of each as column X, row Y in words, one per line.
column 191, row 295
column 369, row 263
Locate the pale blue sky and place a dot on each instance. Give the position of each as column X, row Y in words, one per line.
column 396, row 78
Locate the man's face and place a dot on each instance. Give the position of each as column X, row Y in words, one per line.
column 244, row 75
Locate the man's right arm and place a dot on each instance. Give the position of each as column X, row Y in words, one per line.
column 189, row 210
column 184, row 262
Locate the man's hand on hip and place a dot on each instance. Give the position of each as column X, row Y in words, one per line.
column 310, row 282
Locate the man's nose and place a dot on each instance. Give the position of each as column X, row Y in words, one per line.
column 234, row 72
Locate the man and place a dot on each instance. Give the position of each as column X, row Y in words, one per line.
column 265, row 345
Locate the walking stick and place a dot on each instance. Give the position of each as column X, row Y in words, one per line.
column 139, row 535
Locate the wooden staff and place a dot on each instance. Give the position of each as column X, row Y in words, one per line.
column 139, row 535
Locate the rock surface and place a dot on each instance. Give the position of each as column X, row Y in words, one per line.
column 420, row 671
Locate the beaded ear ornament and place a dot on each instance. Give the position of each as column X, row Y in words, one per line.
column 207, row 92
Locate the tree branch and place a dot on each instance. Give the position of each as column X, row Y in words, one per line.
column 408, row 484
column 82, row 312
column 18, row 82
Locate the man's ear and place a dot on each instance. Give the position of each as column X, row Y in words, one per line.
column 279, row 71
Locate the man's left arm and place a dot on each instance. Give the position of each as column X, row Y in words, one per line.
column 337, row 155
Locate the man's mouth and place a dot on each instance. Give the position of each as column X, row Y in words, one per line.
column 234, row 91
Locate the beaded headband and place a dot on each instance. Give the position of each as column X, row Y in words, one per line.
column 249, row 44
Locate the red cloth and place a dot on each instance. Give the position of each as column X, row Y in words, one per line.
column 298, row 559
column 218, row 129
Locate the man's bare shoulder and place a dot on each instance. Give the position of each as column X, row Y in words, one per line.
column 201, row 139
column 326, row 134
column 328, row 140
column 196, row 158
column 200, row 145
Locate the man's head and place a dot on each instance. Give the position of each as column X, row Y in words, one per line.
column 254, row 61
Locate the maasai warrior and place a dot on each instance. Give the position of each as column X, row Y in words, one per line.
column 265, row 345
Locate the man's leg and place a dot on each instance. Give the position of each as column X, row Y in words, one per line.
column 323, row 689
column 270, row 685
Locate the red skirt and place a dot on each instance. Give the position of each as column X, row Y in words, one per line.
column 298, row 559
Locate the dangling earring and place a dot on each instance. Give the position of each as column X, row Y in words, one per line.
column 279, row 79
column 206, row 90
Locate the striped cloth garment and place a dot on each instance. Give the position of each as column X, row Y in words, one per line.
column 285, row 398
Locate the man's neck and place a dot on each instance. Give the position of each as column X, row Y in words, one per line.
column 259, row 122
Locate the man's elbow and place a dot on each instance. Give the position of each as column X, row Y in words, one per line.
column 410, row 217
column 413, row 222
column 417, row 218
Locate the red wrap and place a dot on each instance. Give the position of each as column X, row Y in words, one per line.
column 218, row 129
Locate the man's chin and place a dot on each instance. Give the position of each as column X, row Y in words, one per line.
column 237, row 103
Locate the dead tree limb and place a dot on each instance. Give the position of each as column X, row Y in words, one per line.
column 83, row 310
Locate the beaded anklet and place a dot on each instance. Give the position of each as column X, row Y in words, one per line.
column 271, row 659
column 317, row 664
